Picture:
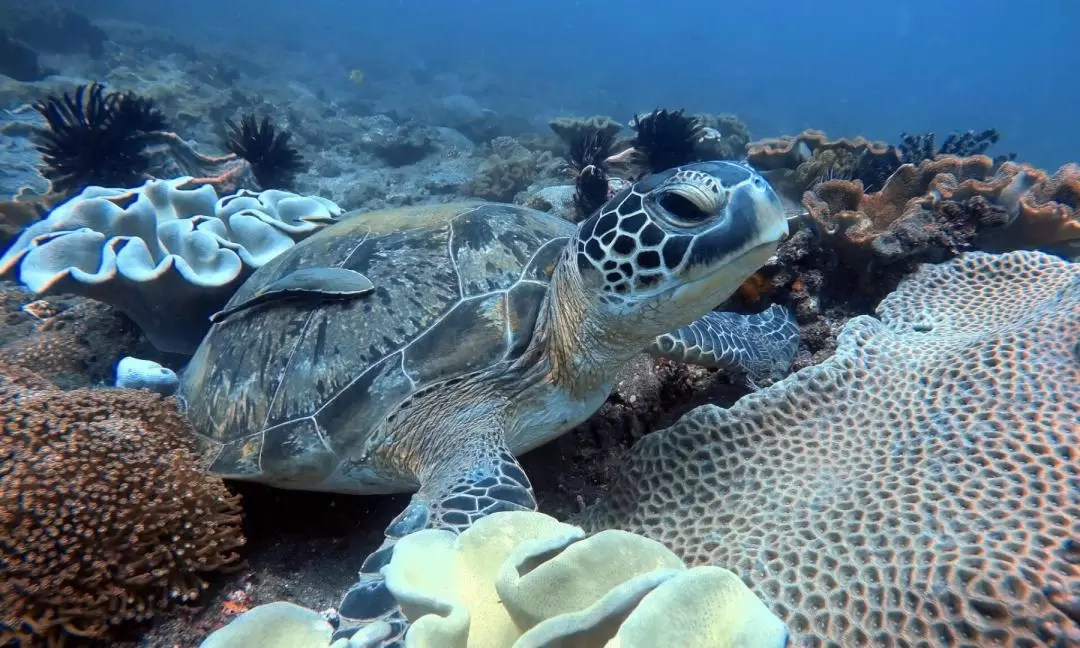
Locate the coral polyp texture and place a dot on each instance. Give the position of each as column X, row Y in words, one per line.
column 168, row 254
column 919, row 488
column 105, row 514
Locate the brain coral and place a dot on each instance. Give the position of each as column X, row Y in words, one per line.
column 105, row 516
column 919, row 488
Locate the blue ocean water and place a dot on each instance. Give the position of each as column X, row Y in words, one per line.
column 844, row 66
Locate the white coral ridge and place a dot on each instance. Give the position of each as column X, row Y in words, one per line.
column 168, row 254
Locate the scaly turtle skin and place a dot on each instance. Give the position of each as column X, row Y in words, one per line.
column 475, row 332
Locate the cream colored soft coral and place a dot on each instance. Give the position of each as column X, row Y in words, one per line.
column 526, row 580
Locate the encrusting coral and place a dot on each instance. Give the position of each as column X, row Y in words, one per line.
column 105, row 514
column 525, row 580
column 166, row 254
column 918, row 488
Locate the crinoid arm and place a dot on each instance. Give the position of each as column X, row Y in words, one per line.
column 759, row 346
column 467, row 481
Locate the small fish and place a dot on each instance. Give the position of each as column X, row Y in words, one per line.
column 357, row 77
column 306, row 283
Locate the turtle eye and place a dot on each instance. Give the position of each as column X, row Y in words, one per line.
column 690, row 205
column 683, row 208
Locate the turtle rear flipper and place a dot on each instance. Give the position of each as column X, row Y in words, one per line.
column 459, row 488
column 761, row 345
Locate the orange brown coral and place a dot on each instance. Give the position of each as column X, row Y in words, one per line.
column 789, row 152
column 793, row 164
column 105, row 515
column 1043, row 211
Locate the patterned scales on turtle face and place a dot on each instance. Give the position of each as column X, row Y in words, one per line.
column 633, row 253
column 292, row 395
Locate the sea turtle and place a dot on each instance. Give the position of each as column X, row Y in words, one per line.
column 475, row 331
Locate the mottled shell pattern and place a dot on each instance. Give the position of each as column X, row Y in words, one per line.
column 277, row 393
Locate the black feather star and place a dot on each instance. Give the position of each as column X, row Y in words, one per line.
column 94, row 138
column 273, row 162
column 137, row 112
column 665, row 139
column 589, row 151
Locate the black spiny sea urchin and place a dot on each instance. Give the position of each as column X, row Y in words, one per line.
column 272, row 160
column 665, row 139
column 94, row 138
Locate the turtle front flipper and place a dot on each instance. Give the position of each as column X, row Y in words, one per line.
column 456, row 491
column 762, row 345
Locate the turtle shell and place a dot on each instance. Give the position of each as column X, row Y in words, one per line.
column 287, row 392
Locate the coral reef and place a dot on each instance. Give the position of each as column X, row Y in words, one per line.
column 73, row 342
column 575, row 129
column 854, row 246
column 166, row 254
column 508, row 169
column 17, row 214
column 399, row 145
column 725, row 137
column 916, row 148
column 917, row 488
column 794, row 164
column 524, row 579
column 1041, row 209
column 105, row 515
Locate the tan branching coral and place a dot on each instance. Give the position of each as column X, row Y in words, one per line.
column 1043, row 211
column 105, row 516
column 919, row 488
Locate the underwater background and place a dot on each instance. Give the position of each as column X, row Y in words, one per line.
column 846, row 67
column 905, row 471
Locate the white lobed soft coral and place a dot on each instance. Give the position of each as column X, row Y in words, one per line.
column 523, row 579
column 168, row 253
